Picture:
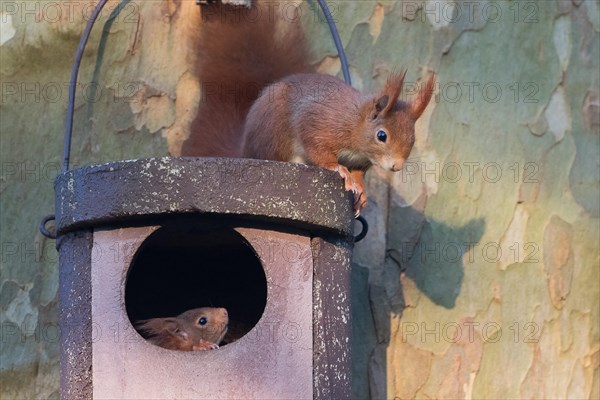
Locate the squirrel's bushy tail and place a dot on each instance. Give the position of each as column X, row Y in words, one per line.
column 241, row 51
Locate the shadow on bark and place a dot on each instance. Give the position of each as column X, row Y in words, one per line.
column 431, row 253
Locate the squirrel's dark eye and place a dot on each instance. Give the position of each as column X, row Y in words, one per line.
column 381, row 135
column 202, row 321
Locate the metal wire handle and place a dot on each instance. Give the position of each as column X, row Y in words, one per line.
column 73, row 82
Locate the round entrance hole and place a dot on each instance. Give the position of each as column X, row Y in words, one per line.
column 182, row 267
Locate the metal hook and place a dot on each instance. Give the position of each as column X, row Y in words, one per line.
column 42, row 226
column 364, row 231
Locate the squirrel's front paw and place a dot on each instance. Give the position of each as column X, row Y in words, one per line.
column 352, row 185
column 204, row 345
column 360, row 200
column 349, row 182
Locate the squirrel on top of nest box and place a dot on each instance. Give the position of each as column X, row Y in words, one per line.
column 193, row 330
column 262, row 100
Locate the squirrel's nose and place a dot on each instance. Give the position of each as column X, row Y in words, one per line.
column 397, row 166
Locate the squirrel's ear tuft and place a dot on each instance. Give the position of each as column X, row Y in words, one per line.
column 390, row 93
column 420, row 103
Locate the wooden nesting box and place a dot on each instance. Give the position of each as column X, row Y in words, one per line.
column 269, row 241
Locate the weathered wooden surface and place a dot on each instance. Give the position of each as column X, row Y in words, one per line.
column 272, row 362
column 518, row 96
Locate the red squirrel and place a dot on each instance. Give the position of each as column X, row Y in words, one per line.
column 193, row 330
column 301, row 116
